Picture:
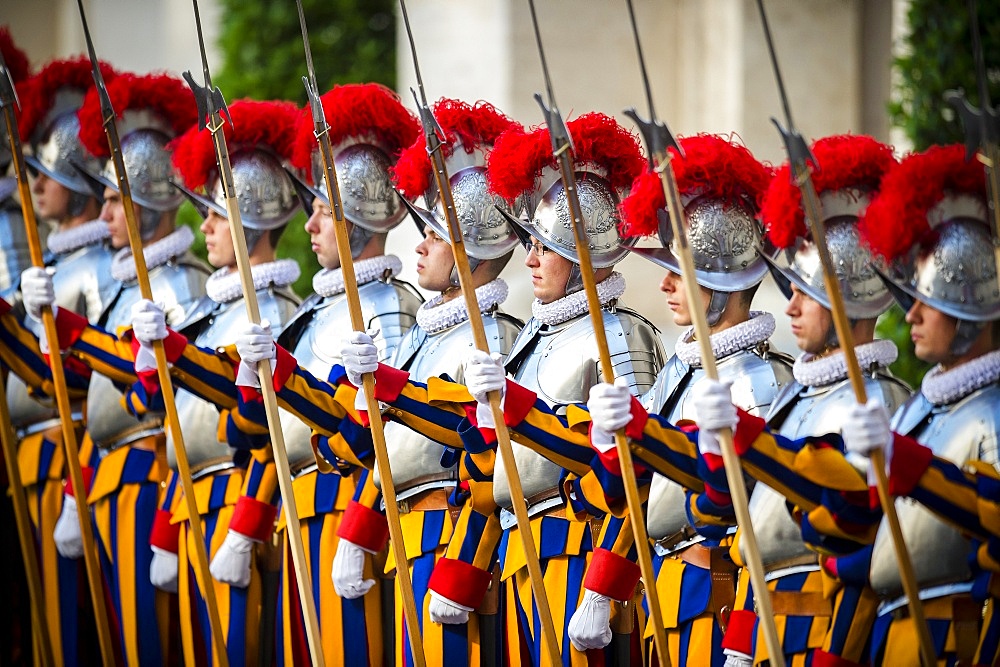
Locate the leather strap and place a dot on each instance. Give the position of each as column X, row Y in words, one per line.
column 491, row 601
column 723, row 572
column 799, row 603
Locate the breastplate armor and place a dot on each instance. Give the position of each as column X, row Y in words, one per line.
column 200, row 419
column 561, row 364
column 178, row 286
column 83, row 281
column 413, row 455
column 757, row 376
column 964, row 430
column 388, row 307
column 14, row 256
column 810, row 411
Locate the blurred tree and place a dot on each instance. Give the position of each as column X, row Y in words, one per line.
column 352, row 41
column 937, row 57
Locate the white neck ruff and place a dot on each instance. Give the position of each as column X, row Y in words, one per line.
column 571, row 305
column 434, row 316
column 224, row 285
column 74, row 238
column 330, row 282
column 157, row 254
column 742, row 336
column 810, row 371
column 944, row 387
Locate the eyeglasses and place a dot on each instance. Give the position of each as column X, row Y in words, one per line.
column 536, row 246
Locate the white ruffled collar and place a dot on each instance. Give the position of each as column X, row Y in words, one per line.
column 224, row 285
column 944, row 387
column 65, row 241
column 330, row 282
column 157, row 254
column 810, row 371
column 434, row 316
column 742, row 336
column 571, row 305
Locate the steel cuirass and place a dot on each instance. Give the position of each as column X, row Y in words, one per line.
column 316, row 332
column 14, row 257
column 560, row 364
column 964, row 430
column 757, row 374
column 416, row 459
column 199, row 418
column 177, row 285
column 800, row 412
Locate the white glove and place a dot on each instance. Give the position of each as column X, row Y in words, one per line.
column 445, row 611
column 610, row 407
column 590, row 626
column 359, row 355
column 714, row 410
column 348, row 570
column 254, row 344
column 484, row 372
column 163, row 570
column 69, row 541
column 37, row 290
column 737, row 658
column 231, row 564
column 148, row 322
column 866, row 430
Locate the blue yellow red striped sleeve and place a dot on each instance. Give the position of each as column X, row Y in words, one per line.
column 21, row 353
column 100, row 350
column 364, row 523
column 463, row 574
column 208, row 373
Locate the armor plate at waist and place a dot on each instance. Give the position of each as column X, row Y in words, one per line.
column 319, row 342
column 200, row 425
column 177, row 285
column 107, row 419
column 756, row 375
column 25, row 410
column 962, row 431
column 83, row 281
column 562, row 366
column 443, row 353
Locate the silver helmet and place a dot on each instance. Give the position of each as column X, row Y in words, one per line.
column 549, row 218
column 957, row 274
column 486, row 232
column 864, row 294
column 265, row 191
column 59, row 149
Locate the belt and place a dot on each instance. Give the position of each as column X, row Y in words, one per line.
column 790, row 566
column 428, row 501
column 966, row 617
column 929, row 593
column 209, row 467
column 682, row 539
column 723, row 572
column 45, row 425
column 547, row 503
column 798, row 603
column 303, row 468
column 423, row 483
column 143, row 430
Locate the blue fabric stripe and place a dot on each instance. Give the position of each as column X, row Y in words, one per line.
column 145, row 593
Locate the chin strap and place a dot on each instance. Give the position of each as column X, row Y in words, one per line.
column 966, row 332
column 358, row 239
column 716, row 305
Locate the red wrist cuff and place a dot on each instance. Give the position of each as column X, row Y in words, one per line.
column 253, row 518
column 364, row 527
column 88, row 481
column 634, row 429
column 739, row 632
column 611, row 575
column 517, row 403
column 909, row 462
column 389, row 382
column 284, row 365
column 69, row 326
column 748, row 428
column 164, row 534
column 460, row 582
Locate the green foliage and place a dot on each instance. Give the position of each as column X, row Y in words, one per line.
column 352, row 41
column 907, row 367
column 939, row 58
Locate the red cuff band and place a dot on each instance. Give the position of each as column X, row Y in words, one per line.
column 634, row 429
column 909, row 462
column 4, row 307
column 173, row 344
column 284, row 365
column 460, row 582
column 88, row 480
column 364, row 527
column 611, row 575
column 748, row 428
column 389, row 383
column 517, row 403
column 164, row 534
column 70, row 326
column 253, row 518
column 739, row 632
column 718, row 498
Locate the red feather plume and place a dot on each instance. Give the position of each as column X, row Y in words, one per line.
column 518, row 157
column 897, row 218
column 712, row 167
column 472, row 125
column 38, row 93
column 357, row 109
column 16, row 59
column 845, row 161
column 163, row 94
column 268, row 125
